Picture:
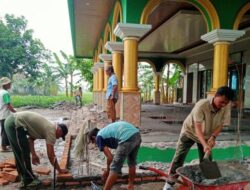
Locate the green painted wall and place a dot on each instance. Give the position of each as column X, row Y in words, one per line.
column 132, row 10
column 166, row 155
column 207, row 18
column 228, row 10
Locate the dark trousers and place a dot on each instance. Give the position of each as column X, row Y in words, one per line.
column 5, row 140
column 183, row 147
column 20, row 146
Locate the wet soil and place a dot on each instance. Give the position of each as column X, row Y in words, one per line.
column 231, row 172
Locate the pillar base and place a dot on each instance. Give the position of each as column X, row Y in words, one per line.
column 104, row 101
column 128, row 89
column 211, row 93
column 130, row 107
column 157, row 97
column 99, row 99
column 118, row 106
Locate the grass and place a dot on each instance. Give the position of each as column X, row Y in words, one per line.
column 46, row 101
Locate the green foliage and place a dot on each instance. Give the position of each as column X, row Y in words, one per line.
column 85, row 66
column 146, row 80
column 19, row 51
column 46, row 101
column 174, row 76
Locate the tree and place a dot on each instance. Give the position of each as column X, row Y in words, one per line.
column 63, row 72
column 145, row 78
column 85, row 65
column 19, row 51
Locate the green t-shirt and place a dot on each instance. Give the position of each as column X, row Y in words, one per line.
column 6, row 98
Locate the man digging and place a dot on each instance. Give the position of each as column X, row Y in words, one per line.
column 202, row 126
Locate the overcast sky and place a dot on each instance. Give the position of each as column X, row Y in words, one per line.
column 48, row 18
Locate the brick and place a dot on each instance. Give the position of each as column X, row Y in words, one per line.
column 46, row 182
column 1, row 165
column 8, row 169
column 9, row 166
column 10, row 176
column 138, row 179
column 64, row 176
column 10, row 162
column 1, row 175
column 4, row 182
column 148, row 178
column 42, row 170
column 72, row 183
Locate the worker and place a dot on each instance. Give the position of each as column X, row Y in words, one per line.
column 126, row 139
column 202, row 126
column 78, row 96
column 6, row 109
column 112, row 93
column 22, row 129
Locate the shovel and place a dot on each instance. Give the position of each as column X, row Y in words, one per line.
column 209, row 169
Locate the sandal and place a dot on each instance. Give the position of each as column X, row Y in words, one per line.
column 5, row 150
column 34, row 183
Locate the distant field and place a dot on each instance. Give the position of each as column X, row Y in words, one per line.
column 46, row 101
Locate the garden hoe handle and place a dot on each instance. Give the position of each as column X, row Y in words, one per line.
column 54, row 175
column 161, row 173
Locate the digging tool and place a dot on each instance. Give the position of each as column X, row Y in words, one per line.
column 54, row 175
column 94, row 186
column 209, row 169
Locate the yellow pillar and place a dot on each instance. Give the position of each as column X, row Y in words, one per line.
column 157, row 82
column 94, row 83
column 100, row 78
column 97, row 80
column 106, row 64
column 130, row 64
column 220, row 67
column 117, row 65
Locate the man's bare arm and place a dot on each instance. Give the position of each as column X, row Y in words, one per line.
column 35, row 159
column 200, row 135
column 53, row 160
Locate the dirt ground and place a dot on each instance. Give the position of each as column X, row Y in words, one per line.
column 74, row 118
column 154, row 134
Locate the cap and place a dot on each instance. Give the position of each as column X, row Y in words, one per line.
column 4, row 81
column 64, row 129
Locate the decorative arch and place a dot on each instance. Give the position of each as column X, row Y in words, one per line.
column 107, row 36
column 100, row 49
column 95, row 55
column 150, row 63
column 240, row 14
column 117, row 14
column 182, row 66
column 205, row 7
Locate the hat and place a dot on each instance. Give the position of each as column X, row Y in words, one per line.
column 64, row 129
column 4, row 81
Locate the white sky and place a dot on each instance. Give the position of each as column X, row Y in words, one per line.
column 48, row 18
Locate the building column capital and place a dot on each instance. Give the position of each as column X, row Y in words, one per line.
column 222, row 35
column 99, row 65
column 105, row 57
column 114, row 46
column 123, row 30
